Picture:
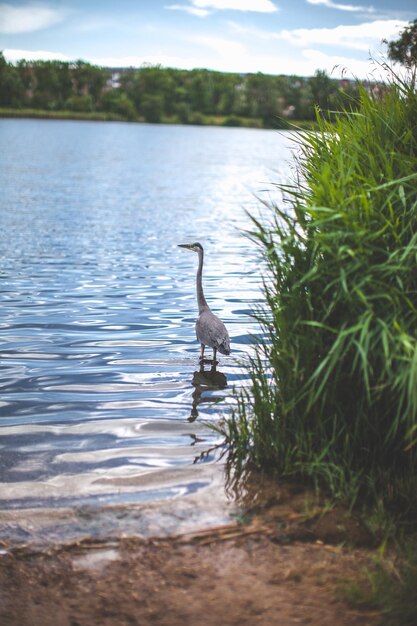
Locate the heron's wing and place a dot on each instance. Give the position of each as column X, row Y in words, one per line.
column 212, row 332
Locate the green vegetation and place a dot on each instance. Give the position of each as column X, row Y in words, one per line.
column 389, row 587
column 165, row 95
column 61, row 115
column 334, row 378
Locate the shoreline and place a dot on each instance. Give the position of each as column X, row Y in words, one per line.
column 256, row 572
column 208, row 120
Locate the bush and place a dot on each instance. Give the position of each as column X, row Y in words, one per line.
column 116, row 101
column 334, row 381
column 196, row 118
column 232, row 120
column 389, row 587
column 80, row 104
column 152, row 108
column 182, row 111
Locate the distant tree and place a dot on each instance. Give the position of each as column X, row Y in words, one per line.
column 46, row 92
column 183, row 111
column 169, row 91
column 81, row 104
column 404, row 49
column 323, row 90
column 199, row 89
column 11, row 86
column 154, row 92
column 44, row 84
column 152, row 108
column 63, row 82
column 262, row 98
column 232, row 120
column 252, row 95
column 196, row 118
column 89, row 80
column 291, row 89
column 181, row 99
column 155, row 82
column 226, row 94
column 116, row 101
column 127, row 81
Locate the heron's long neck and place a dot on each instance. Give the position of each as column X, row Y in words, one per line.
column 202, row 304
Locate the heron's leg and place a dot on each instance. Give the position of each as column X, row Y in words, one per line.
column 202, row 353
column 214, row 362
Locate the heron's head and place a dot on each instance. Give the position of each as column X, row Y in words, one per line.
column 195, row 247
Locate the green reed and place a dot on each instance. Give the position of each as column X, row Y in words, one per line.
column 388, row 586
column 334, row 379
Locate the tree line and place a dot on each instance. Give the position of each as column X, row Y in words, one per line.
column 189, row 95
column 157, row 94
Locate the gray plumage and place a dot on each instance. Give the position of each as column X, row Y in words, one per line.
column 209, row 329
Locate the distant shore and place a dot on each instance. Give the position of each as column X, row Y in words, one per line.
column 202, row 120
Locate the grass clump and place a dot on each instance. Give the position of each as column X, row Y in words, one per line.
column 334, row 381
column 389, row 587
column 101, row 116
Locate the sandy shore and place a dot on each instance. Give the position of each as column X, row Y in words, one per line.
column 257, row 573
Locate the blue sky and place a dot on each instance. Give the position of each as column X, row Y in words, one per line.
column 271, row 36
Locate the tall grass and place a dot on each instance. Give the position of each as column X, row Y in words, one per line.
column 388, row 586
column 334, row 381
column 60, row 115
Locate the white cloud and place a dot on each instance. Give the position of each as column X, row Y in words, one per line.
column 343, row 7
column 260, row 6
column 13, row 55
column 165, row 60
column 342, row 66
column 223, row 48
column 202, row 8
column 189, row 9
column 93, row 25
column 288, row 52
column 208, row 52
column 357, row 37
column 231, row 57
column 363, row 37
column 28, row 18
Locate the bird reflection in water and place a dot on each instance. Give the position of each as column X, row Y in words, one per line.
column 203, row 381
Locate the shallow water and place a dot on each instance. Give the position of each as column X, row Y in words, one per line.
column 101, row 399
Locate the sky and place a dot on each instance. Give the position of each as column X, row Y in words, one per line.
column 343, row 37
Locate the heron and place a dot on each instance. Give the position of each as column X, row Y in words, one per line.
column 209, row 329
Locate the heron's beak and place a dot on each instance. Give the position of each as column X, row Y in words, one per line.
column 185, row 245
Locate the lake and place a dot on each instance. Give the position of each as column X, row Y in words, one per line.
column 104, row 415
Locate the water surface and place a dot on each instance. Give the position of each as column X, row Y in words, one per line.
column 102, row 403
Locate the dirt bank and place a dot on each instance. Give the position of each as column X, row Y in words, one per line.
column 246, row 575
